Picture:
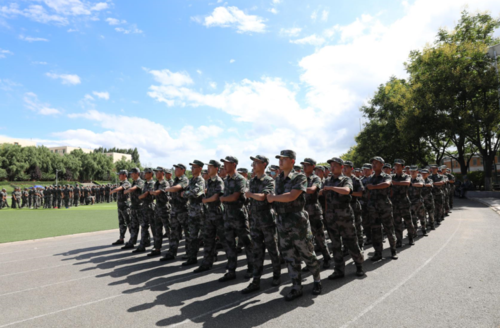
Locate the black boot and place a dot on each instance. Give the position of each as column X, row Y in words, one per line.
column 376, row 257
column 253, row 287
column 317, row 288
column 190, row 262
column 394, row 254
column 293, row 294
column 359, row 271
column 118, row 242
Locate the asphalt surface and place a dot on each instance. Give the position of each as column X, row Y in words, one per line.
column 448, row 279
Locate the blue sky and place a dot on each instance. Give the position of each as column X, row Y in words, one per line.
column 181, row 80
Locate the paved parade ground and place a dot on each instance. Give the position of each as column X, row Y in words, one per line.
column 448, row 279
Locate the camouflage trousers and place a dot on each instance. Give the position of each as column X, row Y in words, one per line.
column 318, row 229
column 16, row 203
column 381, row 216
column 358, row 222
column 148, row 216
column 400, row 214
column 429, row 208
column 123, row 220
column 106, row 197
column 24, row 202
column 135, row 219
column 196, row 216
column 264, row 236
column 451, row 195
column 236, row 226
column 66, row 202
column 438, row 207
column 36, row 202
column 162, row 215
column 342, row 229
column 178, row 222
column 213, row 226
column 446, row 200
column 366, row 222
column 76, row 201
column 418, row 214
column 296, row 245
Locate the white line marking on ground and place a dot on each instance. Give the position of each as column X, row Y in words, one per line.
column 383, row 297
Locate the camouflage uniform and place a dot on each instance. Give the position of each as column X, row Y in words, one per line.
column 36, row 199
column 25, row 199
column 263, row 227
column 148, row 213
column 194, row 193
column 2, row 202
column 136, row 211
column 380, row 212
column 294, row 229
column 429, row 201
column 86, row 195
column 339, row 221
column 16, row 199
column 76, row 196
column 401, row 206
column 451, row 193
column 162, row 212
column 178, row 217
column 107, row 190
column 236, row 222
column 214, row 221
column 357, row 186
column 437, row 193
column 31, row 197
column 59, row 192
column 365, row 216
column 316, row 216
column 446, row 197
column 124, row 209
column 417, row 204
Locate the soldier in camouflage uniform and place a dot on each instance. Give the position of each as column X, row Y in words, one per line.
column 194, row 192
column 387, row 168
column 428, row 198
column 3, row 198
column 446, row 204
column 339, row 219
column 401, row 204
column 235, row 219
column 367, row 227
column 107, row 193
column 59, row 195
column 148, row 210
column 76, row 195
column 451, row 194
column 162, row 209
column 314, row 210
column 416, row 199
column 136, row 211
column 123, row 206
column 31, row 197
column 36, row 198
column 16, row 198
column 380, row 209
column 25, row 198
column 179, row 214
column 294, row 229
column 262, row 224
column 214, row 220
column 357, row 195
column 438, row 182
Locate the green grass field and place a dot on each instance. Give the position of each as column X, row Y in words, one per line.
column 9, row 185
column 26, row 224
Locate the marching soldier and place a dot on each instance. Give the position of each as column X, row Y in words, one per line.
column 16, row 198
column 401, row 204
column 380, row 209
column 162, row 209
column 367, row 227
column 262, row 224
column 296, row 240
column 136, row 211
column 417, row 201
column 148, row 209
column 438, row 182
column 427, row 194
column 123, row 207
column 25, row 198
column 357, row 194
column 451, row 194
column 194, row 193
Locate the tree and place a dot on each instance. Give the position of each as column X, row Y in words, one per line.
column 135, row 157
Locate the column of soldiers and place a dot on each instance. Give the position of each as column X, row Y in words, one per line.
column 57, row 196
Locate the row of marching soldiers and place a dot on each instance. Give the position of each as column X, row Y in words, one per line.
column 61, row 196
column 285, row 212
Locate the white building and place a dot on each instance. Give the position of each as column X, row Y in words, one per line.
column 62, row 150
column 15, row 141
column 118, row 156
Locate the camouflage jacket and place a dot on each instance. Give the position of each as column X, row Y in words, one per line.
column 400, row 193
column 86, row 192
column 16, row 195
column 437, row 190
column 122, row 199
column 236, row 183
column 179, row 204
column 215, row 185
column 294, row 180
column 415, row 193
column 195, row 190
column 334, row 200
column 366, row 192
column 261, row 210
column 149, row 185
column 427, row 191
column 357, row 186
column 379, row 196
column 313, row 180
column 164, row 197
column 134, row 196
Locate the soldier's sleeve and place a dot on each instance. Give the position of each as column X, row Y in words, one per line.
column 316, row 182
column 126, row 185
column 408, row 178
column 348, row 183
column 163, row 185
column 140, row 186
column 241, row 184
column 184, row 183
column 299, row 182
column 197, row 189
column 268, row 186
column 387, row 178
column 361, row 186
column 219, row 187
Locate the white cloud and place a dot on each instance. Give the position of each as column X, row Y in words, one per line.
column 70, row 30
column 293, row 31
column 114, row 21
column 8, row 85
column 213, row 85
column 314, row 15
column 273, row 11
column 101, row 95
column 166, row 77
column 232, row 61
column 199, row 71
column 100, row 6
column 4, row 53
column 131, row 29
column 311, row 39
column 72, row 79
column 236, row 18
column 32, row 39
column 39, row 63
column 324, row 15
column 31, row 102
